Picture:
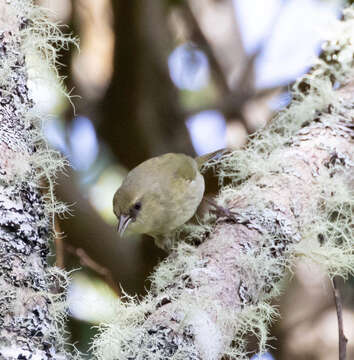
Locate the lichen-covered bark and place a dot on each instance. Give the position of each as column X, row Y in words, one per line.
column 27, row 326
column 266, row 235
column 205, row 298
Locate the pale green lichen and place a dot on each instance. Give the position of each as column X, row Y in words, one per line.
column 329, row 236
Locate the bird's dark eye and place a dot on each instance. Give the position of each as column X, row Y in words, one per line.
column 134, row 210
column 137, row 206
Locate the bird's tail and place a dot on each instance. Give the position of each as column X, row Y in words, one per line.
column 201, row 160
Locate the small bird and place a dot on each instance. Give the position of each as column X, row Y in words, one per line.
column 160, row 194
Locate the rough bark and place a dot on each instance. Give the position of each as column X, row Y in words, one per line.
column 27, row 326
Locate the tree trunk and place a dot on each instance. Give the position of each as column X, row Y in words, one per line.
column 28, row 306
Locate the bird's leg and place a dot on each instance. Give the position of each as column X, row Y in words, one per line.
column 222, row 211
column 161, row 242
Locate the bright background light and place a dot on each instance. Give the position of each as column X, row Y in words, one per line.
column 297, row 27
column 208, row 131
column 189, row 68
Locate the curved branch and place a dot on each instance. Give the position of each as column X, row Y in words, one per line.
column 245, row 255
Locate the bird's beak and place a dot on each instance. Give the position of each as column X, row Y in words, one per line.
column 124, row 221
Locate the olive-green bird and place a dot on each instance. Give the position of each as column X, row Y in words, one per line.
column 160, row 194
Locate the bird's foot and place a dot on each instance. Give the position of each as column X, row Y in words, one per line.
column 222, row 211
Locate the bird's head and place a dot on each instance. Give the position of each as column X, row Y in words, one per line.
column 136, row 208
column 158, row 195
column 127, row 210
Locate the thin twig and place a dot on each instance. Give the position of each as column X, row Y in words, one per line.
column 339, row 307
column 235, row 96
column 234, row 102
column 59, row 245
column 199, row 37
column 87, row 261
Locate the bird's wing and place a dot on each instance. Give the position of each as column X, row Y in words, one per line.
column 185, row 168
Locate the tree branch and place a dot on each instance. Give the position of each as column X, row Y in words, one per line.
column 199, row 309
column 235, row 96
column 142, row 98
column 199, row 38
column 87, row 261
column 342, row 340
